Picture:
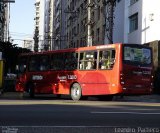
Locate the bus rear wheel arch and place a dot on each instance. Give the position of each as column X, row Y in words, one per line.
column 76, row 92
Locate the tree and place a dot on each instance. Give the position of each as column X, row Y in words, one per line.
column 10, row 53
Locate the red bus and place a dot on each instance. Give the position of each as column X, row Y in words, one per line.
column 103, row 70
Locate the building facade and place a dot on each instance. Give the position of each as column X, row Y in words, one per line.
column 68, row 23
column 4, row 21
column 71, row 23
column 137, row 21
column 39, row 26
column 28, row 44
column 59, row 39
column 78, row 22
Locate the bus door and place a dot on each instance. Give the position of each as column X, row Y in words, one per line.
column 58, row 74
column 136, row 75
column 39, row 73
column 95, row 71
column 107, row 68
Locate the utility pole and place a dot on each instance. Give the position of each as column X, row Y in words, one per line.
column 36, row 39
column 89, row 30
column 5, row 16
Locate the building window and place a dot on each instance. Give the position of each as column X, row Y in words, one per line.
column 98, row 33
column 133, row 22
column 98, row 13
column 133, row 1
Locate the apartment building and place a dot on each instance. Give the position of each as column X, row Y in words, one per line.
column 76, row 22
column 39, row 25
column 68, row 22
column 137, row 21
column 28, row 44
column 58, row 36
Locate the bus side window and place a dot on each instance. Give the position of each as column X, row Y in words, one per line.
column 44, row 63
column 33, row 64
column 71, row 61
column 106, row 59
column 113, row 58
column 88, row 60
column 81, row 62
column 57, row 62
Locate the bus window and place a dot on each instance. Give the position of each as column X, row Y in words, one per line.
column 135, row 56
column 88, row 60
column 34, row 63
column 57, row 61
column 22, row 64
column 106, row 59
column 44, row 63
column 71, row 60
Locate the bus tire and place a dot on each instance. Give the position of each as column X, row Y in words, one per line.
column 76, row 92
column 31, row 92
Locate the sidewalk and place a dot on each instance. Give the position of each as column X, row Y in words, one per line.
column 141, row 98
column 11, row 95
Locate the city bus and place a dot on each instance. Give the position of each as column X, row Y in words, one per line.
column 102, row 70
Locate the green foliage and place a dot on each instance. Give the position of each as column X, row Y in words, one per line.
column 10, row 53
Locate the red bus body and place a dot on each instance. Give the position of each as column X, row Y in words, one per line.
column 121, row 78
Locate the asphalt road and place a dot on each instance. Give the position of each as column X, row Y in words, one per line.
column 50, row 115
column 47, row 114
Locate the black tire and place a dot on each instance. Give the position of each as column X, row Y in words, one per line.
column 31, row 92
column 76, row 92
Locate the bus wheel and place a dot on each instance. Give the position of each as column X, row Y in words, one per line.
column 31, row 91
column 76, row 92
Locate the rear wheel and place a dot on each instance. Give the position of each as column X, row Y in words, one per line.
column 31, row 92
column 76, row 92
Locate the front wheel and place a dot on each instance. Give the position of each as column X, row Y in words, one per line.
column 76, row 92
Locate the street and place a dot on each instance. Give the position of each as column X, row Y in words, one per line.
column 48, row 114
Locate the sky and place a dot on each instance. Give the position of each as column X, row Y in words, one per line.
column 22, row 14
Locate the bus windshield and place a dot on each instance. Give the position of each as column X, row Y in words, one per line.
column 22, row 64
column 137, row 55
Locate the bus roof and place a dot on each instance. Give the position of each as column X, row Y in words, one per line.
column 82, row 49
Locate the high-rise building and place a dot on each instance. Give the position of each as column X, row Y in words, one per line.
column 39, row 25
column 49, row 22
column 28, row 43
column 137, row 21
column 74, row 23
column 77, row 22
column 59, row 39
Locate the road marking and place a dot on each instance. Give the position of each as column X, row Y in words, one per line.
column 136, row 113
column 59, row 126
